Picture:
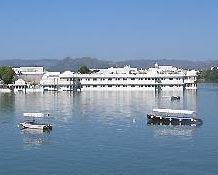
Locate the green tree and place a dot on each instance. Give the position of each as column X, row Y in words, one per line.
column 84, row 70
column 209, row 76
column 7, row 74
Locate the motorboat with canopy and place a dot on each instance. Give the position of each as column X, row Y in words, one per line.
column 31, row 123
column 173, row 117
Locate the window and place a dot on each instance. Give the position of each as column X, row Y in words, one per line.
column 94, row 79
column 132, row 78
column 124, row 78
column 170, row 78
column 109, row 85
column 109, row 79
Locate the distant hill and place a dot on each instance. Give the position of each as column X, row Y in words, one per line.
column 47, row 63
column 73, row 64
column 178, row 63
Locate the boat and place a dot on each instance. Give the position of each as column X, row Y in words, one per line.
column 175, row 98
column 173, row 117
column 36, row 114
column 31, row 122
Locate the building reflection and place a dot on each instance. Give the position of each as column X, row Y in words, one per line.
column 187, row 100
column 33, row 138
column 117, row 102
column 104, row 106
column 177, row 131
column 7, row 101
column 55, row 103
column 6, row 106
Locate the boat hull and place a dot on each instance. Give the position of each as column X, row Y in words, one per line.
column 24, row 125
column 172, row 120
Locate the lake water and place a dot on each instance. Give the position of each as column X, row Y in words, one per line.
column 107, row 133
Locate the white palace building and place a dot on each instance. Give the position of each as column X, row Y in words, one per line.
column 126, row 78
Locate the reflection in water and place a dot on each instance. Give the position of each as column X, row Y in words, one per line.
column 117, row 101
column 190, row 100
column 6, row 103
column 178, row 131
column 6, row 108
column 116, row 107
column 57, row 104
column 105, row 106
column 119, row 109
column 187, row 100
column 33, row 138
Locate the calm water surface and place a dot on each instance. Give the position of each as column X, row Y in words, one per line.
column 106, row 133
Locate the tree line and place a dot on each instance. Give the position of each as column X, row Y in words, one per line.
column 208, row 76
column 7, row 74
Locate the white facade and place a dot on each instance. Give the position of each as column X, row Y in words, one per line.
column 55, row 81
column 22, row 86
column 29, row 70
column 30, row 74
column 126, row 78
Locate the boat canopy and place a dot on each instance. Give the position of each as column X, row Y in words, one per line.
column 36, row 114
column 172, row 111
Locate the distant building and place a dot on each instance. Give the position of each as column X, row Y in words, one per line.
column 30, row 74
column 214, row 68
column 126, row 78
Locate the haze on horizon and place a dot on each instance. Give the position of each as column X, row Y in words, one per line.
column 110, row 30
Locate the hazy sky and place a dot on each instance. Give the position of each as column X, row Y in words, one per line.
column 109, row 29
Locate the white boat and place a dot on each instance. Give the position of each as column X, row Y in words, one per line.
column 173, row 117
column 31, row 123
column 36, row 114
